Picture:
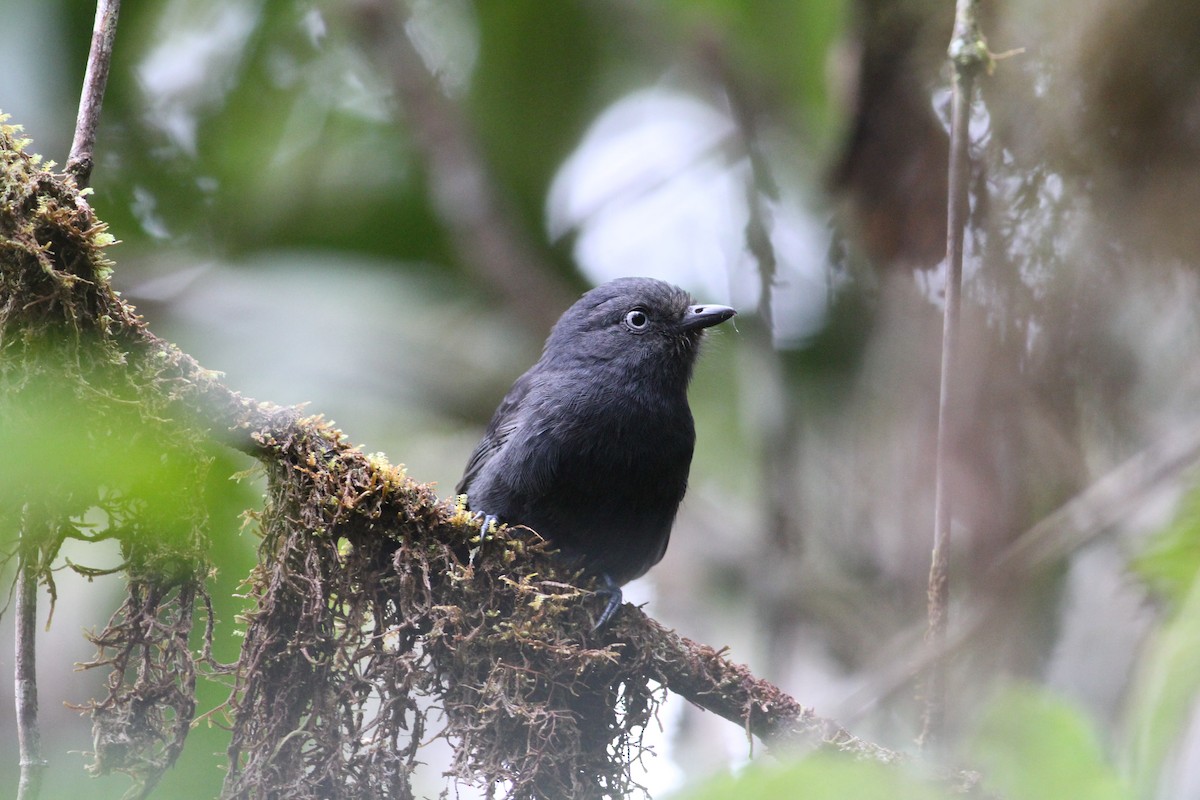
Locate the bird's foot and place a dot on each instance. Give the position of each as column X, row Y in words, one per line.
column 613, row 592
column 488, row 524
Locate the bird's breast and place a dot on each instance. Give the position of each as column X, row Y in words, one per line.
column 631, row 428
column 627, row 457
column 600, row 471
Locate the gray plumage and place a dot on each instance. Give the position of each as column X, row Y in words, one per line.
column 592, row 446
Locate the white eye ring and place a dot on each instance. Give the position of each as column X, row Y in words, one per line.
column 637, row 320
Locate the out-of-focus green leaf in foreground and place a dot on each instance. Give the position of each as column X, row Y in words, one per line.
column 87, row 455
column 72, row 445
column 1168, row 672
column 1170, row 562
column 1033, row 745
column 818, row 777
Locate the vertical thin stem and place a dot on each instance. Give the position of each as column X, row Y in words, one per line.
column 29, row 737
column 91, row 99
column 968, row 53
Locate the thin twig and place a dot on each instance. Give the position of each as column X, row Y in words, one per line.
column 91, row 99
column 968, row 55
column 29, row 737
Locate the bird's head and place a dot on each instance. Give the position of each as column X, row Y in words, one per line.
column 633, row 324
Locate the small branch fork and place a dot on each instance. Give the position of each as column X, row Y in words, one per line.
column 968, row 55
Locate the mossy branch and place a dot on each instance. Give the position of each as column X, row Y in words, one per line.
column 373, row 599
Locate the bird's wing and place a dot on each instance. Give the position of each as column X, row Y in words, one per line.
column 506, row 420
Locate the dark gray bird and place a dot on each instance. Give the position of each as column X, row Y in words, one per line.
column 591, row 447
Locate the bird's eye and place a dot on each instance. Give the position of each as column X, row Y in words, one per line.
column 637, row 319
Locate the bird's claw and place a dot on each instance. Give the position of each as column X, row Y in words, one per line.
column 613, row 592
column 487, row 524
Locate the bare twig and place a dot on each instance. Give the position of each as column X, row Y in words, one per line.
column 29, row 737
column 80, row 162
column 968, row 55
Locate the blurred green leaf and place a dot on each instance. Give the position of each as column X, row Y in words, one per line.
column 1168, row 675
column 1171, row 561
column 1033, row 745
column 818, row 777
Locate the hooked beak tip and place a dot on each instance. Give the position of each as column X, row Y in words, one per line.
column 706, row 315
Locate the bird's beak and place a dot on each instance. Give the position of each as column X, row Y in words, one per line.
column 705, row 316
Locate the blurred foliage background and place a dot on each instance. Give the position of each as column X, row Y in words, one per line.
column 384, row 223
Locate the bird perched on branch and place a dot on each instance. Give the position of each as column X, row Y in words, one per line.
column 591, row 447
